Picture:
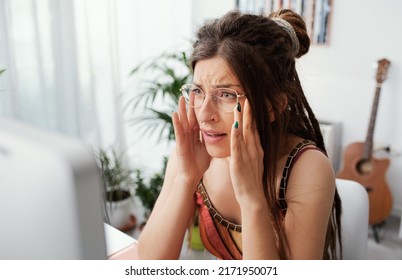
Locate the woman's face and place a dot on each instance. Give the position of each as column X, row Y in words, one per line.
column 215, row 124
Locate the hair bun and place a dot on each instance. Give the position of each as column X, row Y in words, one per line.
column 299, row 27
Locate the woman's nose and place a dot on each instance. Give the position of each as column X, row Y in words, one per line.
column 208, row 109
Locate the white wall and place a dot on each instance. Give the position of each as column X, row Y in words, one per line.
column 339, row 79
column 203, row 10
column 162, row 26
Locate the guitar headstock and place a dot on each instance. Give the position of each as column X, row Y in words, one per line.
column 382, row 70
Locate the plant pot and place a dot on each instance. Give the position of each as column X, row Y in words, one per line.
column 120, row 214
column 195, row 239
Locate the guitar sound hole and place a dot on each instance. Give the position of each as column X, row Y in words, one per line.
column 364, row 167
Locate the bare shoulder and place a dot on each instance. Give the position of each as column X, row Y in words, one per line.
column 315, row 162
column 311, row 172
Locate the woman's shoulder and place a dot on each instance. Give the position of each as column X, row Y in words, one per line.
column 312, row 169
column 311, row 159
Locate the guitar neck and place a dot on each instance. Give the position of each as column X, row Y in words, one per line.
column 368, row 145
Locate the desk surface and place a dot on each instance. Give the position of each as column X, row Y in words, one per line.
column 119, row 245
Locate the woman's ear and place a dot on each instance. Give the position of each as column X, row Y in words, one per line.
column 282, row 102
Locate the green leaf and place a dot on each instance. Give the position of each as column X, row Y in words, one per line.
column 170, row 71
column 149, row 191
column 116, row 178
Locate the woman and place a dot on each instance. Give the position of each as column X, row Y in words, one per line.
column 249, row 158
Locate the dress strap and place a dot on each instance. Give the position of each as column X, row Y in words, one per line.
column 286, row 171
column 213, row 212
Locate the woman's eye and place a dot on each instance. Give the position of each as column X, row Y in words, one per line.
column 196, row 91
column 227, row 95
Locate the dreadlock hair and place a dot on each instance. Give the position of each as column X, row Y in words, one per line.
column 262, row 56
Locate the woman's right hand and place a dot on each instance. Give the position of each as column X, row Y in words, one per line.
column 192, row 157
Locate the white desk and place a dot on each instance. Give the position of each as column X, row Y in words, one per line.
column 119, row 245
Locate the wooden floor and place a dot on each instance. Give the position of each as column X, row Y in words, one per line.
column 389, row 246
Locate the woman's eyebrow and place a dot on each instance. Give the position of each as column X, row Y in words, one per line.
column 226, row 85
column 197, row 84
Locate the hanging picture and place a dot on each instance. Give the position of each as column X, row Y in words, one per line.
column 316, row 13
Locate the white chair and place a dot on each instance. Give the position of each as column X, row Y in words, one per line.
column 355, row 215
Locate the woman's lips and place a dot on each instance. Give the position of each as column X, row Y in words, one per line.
column 212, row 137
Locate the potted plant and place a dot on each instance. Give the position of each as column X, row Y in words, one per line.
column 118, row 187
column 169, row 72
column 149, row 192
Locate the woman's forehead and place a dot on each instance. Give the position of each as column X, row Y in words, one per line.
column 214, row 72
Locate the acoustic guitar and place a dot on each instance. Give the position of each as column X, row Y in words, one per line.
column 361, row 166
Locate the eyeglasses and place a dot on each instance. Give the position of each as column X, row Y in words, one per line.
column 225, row 98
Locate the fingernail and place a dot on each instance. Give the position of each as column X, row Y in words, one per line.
column 238, row 107
column 236, row 124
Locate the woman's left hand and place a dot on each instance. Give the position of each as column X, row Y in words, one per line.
column 246, row 162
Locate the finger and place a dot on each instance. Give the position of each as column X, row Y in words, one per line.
column 183, row 114
column 257, row 142
column 251, row 135
column 178, row 131
column 237, row 140
column 253, row 126
column 248, row 124
column 192, row 120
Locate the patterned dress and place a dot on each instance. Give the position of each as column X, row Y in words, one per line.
column 221, row 237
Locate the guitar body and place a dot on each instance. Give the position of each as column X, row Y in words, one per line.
column 371, row 174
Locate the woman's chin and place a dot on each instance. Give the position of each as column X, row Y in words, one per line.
column 216, row 152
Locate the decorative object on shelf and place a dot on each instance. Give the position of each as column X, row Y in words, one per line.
column 118, row 187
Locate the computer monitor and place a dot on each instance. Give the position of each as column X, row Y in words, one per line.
column 50, row 196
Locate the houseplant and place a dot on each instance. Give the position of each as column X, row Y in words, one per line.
column 118, row 187
column 167, row 72
column 148, row 192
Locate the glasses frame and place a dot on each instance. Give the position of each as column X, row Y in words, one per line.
column 183, row 87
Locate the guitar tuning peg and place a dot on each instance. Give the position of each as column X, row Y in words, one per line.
column 394, row 150
column 391, row 150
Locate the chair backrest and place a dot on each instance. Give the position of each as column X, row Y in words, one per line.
column 355, row 215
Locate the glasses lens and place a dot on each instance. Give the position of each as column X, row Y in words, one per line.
column 192, row 91
column 226, row 98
